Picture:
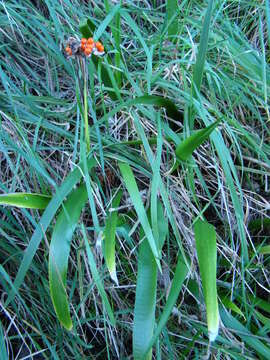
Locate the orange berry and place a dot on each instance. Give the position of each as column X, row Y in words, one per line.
column 88, row 51
column 101, row 48
column 90, row 41
column 83, row 41
column 89, row 46
column 68, row 50
column 98, row 45
column 83, row 47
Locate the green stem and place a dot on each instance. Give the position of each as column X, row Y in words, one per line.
column 86, row 126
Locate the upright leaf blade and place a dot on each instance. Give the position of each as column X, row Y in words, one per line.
column 200, row 61
column 178, row 279
column 145, row 301
column 135, row 196
column 97, row 278
column 100, row 30
column 199, row 66
column 59, row 253
column 172, row 7
column 206, row 246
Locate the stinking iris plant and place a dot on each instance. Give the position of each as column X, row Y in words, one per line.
column 81, row 50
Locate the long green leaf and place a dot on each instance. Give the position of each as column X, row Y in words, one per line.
column 25, row 200
column 135, row 196
column 3, row 345
column 100, row 30
column 145, row 302
column 45, row 220
column 205, row 236
column 200, row 61
column 178, row 279
column 109, row 235
column 146, row 100
column 59, row 252
column 172, row 13
column 186, row 147
column 160, row 102
column 96, row 277
column 199, row 66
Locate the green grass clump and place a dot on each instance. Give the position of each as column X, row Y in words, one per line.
column 134, row 186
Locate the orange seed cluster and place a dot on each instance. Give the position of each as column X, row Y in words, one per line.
column 85, row 46
column 68, row 51
column 88, row 45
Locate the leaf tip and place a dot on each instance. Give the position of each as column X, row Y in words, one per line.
column 114, row 277
column 212, row 335
column 213, row 331
column 68, row 326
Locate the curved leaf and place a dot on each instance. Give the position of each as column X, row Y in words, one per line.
column 59, row 252
column 232, row 306
column 160, row 102
column 186, row 147
column 205, row 236
column 25, row 200
column 45, row 220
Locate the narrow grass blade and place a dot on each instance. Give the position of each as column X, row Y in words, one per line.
column 200, row 61
column 96, row 277
column 264, row 250
column 109, row 234
column 232, row 306
column 155, row 205
column 199, row 66
column 3, row 347
column 186, row 147
column 100, row 30
column 231, row 323
column 261, row 304
column 172, row 13
column 145, row 302
column 135, row 196
column 178, row 279
column 205, row 236
column 25, row 200
column 59, row 252
column 267, row 13
column 45, row 220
